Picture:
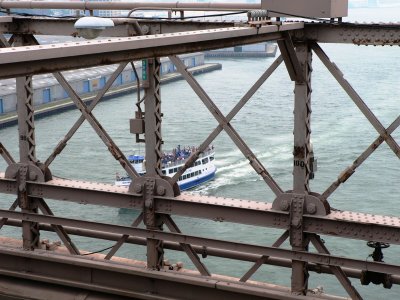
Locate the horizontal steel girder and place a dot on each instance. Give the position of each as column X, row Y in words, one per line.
column 316, row 258
column 65, row 27
column 349, row 33
column 19, row 61
column 122, row 280
column 208, row 251
column 345, row 224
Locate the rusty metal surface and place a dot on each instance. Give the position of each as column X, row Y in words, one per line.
column 338, row 223
column 65, row 27
column 301, row 214
column 132, row 281
column 56, row 57
column 352, row 273
column 302, row 256
column 349, row 33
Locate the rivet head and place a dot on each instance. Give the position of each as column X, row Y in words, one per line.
column 32, row 176
column 161, row 190
column 311, row 208
column 284, row 205
column 137, row 187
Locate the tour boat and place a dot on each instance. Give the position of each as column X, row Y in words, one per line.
column 200, row 172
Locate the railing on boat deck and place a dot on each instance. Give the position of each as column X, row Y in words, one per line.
column 183, row 161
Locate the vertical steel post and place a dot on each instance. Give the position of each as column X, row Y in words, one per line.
column 301, row 168
column 152, row 116
column 27, row 151
column 153, row 138
column 302, row 116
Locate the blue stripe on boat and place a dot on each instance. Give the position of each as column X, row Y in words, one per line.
column 192, row 184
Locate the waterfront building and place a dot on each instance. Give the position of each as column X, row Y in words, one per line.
column 85, row 81
column 267, row 49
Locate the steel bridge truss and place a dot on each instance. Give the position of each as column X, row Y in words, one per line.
column 301, row 214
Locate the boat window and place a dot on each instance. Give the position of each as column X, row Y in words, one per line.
column 199, row 171
column 196, row 173
column 171, row 171
column 180, row 178
column 211, row 158
column 204, row 160
column 175, row 170
column 184, row 177
column 164, row 172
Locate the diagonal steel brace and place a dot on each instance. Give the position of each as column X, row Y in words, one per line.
column 254, row 162
column 6, row 155
column 263, row 259
column 187, row 248
column 112, row 147
column 194, row 156
column 289, row 56
column 85, row 112
column 334, row 70
column 337, row 271
column 123, row 239
column 3, row 41
column 58, row 228
column 346, row 174
column 13, row 207
column 61, row 145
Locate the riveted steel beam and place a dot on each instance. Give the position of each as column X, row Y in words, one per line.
column 291, row 61
column 65, row 26
column 27, row 149
column 206, row 251
column 349, row 33
column 50, row 58
column 338, row 223
column 324, row 259
column 123, row 280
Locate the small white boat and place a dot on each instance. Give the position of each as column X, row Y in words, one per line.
column 200, row 172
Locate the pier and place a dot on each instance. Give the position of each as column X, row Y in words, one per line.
column 298, row 220
column 50, row 98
